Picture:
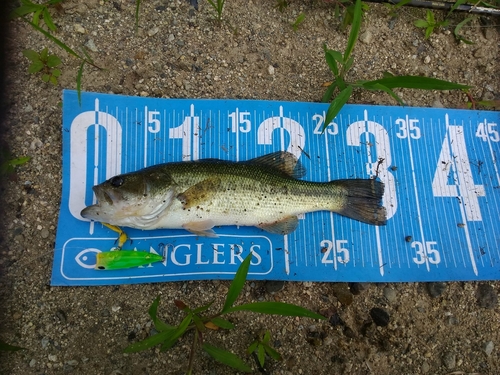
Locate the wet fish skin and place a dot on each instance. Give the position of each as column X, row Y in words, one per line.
column 263, row 192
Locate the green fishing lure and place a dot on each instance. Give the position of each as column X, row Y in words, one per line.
column 122, row 259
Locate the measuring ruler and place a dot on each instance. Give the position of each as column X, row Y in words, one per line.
column 440, row 169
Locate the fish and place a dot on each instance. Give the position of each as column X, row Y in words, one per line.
column 266, row 192
column 122, row 259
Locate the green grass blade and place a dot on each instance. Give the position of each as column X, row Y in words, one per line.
column 48, row 20
column 159, row 324
column 227, row 358
column 203, row 308
column 336, row 105
column 330, row 57
column 22, row 11
column 456, row 5
column 237, row 283
column 6, row 347
column 137, row 6
column 355, row 27
column 271, row 352
column 457, row 30
column 79, row 82
column 277, row 308
column 222, row 323
column 329, row 92
column 252, row 347
column 181, row 329
column 150, row 341
column 261, row 354
column 416, row 82
column 54, row 39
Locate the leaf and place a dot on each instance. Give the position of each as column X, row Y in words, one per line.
column 44, row 54
column 420, row 23
column 267, row 337
column 428, row 32
column 53, row 80
column 457, row 30
column 331, row 60
column 252, row 347
column 79, row 82
column 237, row 283
column 181, row 329
column 261, row 354
column 35, row 67
column 276, row 308
column 54, row 39
column 7, row 347
column 222, row 323
column 430, row 17
column 180, row 305
column 271, row 352
column 137, row 6
column 329, row 92
column 45, row 78
column 48, row 20
column 211, row 326
column 417, row 82
column 159, row 324
column 19, row 161
column 356, row 26
column 203, row 308
column 199, row 324
column 456, row 5
column 23, row 10
column 53, row 61
column 227, row 358
column 56, row 73
column 150, row 341
column 336, row 105
column 31, row 55
column 36, row 16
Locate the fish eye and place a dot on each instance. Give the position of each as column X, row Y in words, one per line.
column 117, row 181
column 101, row 267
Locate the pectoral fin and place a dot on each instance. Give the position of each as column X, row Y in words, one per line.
column 199, row 193
column 285, row 226
column 201, row 228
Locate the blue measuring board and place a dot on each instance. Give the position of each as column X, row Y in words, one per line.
column 440, row 168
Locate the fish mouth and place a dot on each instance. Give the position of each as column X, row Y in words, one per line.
column 104, row 196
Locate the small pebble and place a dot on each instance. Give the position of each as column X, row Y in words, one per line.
column 357, row 288
column 486, row 296
column 427, row 59
column 390, row 294
column 79, row 28
column 91, row 45
column 342, row 292
column 45, row 342
column 33, row 362
column 449, row 360
column 488, row 347
column 273, row 286
column 425, row 367
column 52, row 357
column 366, row 37
column 153, row 31
column 436, row 289
column 380, row 316
column 270, row 70
column 44, row 233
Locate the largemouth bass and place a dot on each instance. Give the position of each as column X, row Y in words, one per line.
column 264, row 192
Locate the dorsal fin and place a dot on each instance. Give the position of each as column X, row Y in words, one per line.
column 282, row 161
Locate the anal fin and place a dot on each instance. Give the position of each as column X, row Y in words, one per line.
column 201, row 228
column 285, row 226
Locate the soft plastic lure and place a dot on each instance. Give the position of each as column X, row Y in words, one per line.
column 122, row 259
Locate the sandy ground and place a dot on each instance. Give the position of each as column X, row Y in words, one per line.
column 180, row 52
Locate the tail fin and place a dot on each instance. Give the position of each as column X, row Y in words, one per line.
column 363, row 201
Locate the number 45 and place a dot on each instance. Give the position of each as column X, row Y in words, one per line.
column 487, row 130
